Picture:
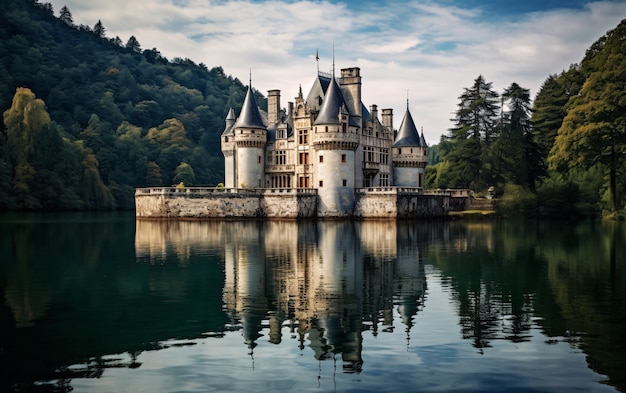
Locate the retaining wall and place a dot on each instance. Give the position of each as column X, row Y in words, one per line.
column 370, row 203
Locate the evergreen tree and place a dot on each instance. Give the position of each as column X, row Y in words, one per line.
column 66, row 16
column 475, row 126
column 549, row 106
column 522, row 155
column 133, row 45
column 99, row 29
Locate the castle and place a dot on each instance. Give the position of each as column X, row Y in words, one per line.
column 326, row 156
column 328, row 141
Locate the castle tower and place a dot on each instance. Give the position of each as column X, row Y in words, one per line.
column 335, row 139
column 250, row 137
column 408, row 155
column 228, row 149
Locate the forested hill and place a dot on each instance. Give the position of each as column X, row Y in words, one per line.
column 87, row 118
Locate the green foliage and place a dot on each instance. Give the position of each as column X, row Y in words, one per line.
column 185, row 174
column 594, row 129
column 517, row 201
column 115, row 116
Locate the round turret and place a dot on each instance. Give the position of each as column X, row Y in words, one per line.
column 250, row 136
column 335, row 139
column 408, row 155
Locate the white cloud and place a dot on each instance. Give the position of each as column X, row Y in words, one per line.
column 432, row 51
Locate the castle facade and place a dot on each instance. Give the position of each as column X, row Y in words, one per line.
column 328, row 141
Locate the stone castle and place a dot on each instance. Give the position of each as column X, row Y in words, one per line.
column 325, row 156
column 327, row 140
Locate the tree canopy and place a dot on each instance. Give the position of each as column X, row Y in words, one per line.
column 87, row 118
column 594, row 129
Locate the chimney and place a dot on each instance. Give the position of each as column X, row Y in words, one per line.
column 273, row 107
column 351, row 88
column 388, row 119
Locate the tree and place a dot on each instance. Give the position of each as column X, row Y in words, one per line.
column 594, row 130
column 475, row 127
column 66, row 16
column 99, row 29
column 549, row 106
column 522, row 154
column 184, row 174
column 133, row 45
column 26, row 117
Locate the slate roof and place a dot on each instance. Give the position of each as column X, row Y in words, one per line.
column 407, row 134
column 230, row 121
column 332, row 105
column 250, row 117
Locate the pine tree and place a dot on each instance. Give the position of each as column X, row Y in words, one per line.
column 133, row 45
column 99, row 29
column 66, row 16
column 475, row 127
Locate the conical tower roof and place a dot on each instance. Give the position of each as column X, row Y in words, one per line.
column 230, row 121
column 407, row 134
column 332, row 105
column 422, row 139
column 250, row 117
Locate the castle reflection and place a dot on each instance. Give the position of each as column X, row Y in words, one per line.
column 324, row 282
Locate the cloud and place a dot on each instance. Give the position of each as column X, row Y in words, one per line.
column 433, row 51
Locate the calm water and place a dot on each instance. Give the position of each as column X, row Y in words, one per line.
column 101, row 303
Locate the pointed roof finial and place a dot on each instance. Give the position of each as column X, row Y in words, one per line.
column 317, row 59
column 333, row 59
column 250, row 77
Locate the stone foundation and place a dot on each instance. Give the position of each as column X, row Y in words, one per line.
column 231, row 203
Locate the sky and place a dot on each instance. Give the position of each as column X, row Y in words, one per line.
column 420, row 52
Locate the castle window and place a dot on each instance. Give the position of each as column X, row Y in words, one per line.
column 321, row 183
column 344, row 158
column 303, row 137
column 321, row 159
column 326, row 128
column 253, row 131
column 226, row 139
column 344, row 127
column 281, row 157
column 399, row 151
column 259, row 160
column 303, row 158
column 345, row 182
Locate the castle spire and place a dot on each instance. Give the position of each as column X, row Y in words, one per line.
column 250, row 117
column 407, row 134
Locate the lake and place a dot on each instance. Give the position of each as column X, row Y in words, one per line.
column 100, row 302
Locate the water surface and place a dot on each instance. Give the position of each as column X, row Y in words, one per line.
column 104, row 303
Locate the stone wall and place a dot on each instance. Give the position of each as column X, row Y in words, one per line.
column 370, row 203
column 204, row 203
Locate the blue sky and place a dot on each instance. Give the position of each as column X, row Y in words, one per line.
column 426, row 50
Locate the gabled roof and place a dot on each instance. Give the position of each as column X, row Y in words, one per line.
column 332, row 105
column 317, row 92
column 407, row 134
column 250, row 117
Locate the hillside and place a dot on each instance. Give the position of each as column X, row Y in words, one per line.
column 113, row 116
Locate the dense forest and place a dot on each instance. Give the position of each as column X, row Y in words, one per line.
column 87, row 118
column 564, row 155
